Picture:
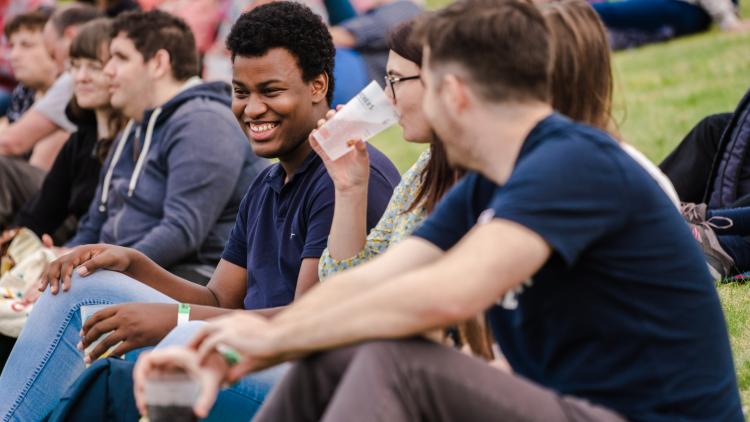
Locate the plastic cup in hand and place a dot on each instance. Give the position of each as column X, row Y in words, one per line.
column 86, row 312
column 363, row 117
column 170, row 397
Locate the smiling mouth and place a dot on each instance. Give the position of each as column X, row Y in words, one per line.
column 260, row 128
column 262, row 131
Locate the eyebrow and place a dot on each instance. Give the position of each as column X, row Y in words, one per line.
column 260, row 85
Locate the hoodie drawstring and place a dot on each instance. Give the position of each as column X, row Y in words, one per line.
column 112, row 163
column 118, row 153
column 144, row 151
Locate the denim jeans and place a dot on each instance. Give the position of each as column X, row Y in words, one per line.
column 652, row 15
column 45, row 360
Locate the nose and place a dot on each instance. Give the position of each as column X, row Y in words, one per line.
column 14, row 53
column 255, row 107
column 109, row 69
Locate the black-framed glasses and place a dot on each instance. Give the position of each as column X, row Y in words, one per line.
column 391, row 81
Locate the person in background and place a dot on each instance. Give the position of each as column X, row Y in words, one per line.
column 28, row 147
column 635, row 22
column 68, row 189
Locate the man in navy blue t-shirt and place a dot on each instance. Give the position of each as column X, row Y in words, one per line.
column 593, row 286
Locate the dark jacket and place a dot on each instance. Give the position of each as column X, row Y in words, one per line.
column 70, row 184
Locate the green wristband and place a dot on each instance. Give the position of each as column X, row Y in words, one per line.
column 183, row 313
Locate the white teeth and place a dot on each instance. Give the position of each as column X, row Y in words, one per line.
column 264, row 127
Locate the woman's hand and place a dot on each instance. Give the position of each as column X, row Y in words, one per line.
column 349, row 172
column 85, row 260
column 127, row 326
column 179, row 359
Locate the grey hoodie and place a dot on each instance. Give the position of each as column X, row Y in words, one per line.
column 171, row 186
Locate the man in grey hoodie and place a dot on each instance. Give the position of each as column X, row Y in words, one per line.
column 172, row 184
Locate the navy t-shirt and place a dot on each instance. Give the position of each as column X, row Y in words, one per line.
column 278, row 225
column 624, row 313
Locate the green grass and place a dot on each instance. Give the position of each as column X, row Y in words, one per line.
column 661, row 91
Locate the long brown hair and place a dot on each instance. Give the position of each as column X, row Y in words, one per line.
column 437, row 176
column 582, row 82
column 92, row 42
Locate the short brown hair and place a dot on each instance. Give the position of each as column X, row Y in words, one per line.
column 158, row 30
column 72, row 15
column 582, row 71
column 32, row 21
column 503, row 45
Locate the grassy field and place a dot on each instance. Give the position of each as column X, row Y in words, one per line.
column 661, row 91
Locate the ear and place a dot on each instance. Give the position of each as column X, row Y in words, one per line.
column 160, row 64
column 455, row 94
column 319, row 88
column 70, row 32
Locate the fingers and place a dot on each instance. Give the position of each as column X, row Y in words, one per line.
column 142, row 367
column 47, row 241
column 208, row 345
column 209, row 391
column 200, row 337
column 240, row 370
column 94, row 262
column 107, row 342
column 93, row 329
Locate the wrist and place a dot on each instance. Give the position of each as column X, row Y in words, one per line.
column 352, row 191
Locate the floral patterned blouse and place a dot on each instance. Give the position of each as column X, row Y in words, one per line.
column 394, row 225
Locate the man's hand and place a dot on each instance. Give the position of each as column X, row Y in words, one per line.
column 352, row 170
column 171, row 359
column 247, row 333
column 136, row 325
column 87, row 259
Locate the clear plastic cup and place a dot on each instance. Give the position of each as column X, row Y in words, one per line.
column 363, row 117
column 86, row 312
column 170, row 397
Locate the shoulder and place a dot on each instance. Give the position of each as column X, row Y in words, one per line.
column 572, row 152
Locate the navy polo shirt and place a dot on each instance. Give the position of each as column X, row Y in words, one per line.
column 624, row 312
column 278, row 225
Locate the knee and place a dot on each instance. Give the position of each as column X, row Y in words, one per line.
column 181, row 334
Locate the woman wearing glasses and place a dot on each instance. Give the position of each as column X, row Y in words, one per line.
column 421, row 186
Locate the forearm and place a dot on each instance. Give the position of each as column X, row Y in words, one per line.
column 20, row 137
column 409, row 305
column 349, row 225
column 143, row 269
column 46, row 150
column 403, row 257
column 473, row 276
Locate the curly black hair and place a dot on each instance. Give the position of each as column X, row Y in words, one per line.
column 287, row 25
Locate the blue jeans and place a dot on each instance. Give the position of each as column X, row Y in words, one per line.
column 653, row 15
column 45, row 360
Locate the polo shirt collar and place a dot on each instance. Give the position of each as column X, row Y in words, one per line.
column 275, row 178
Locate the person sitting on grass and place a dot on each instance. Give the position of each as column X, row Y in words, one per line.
column 592, row 284
column 282, row 59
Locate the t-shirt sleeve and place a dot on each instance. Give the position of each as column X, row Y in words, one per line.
column 571, row 193
column 53, row 103
column 320, row 217
column 449, row 222
column 235, row 250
